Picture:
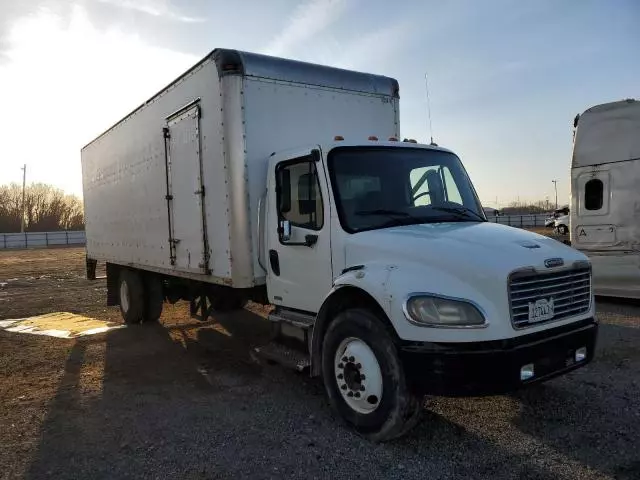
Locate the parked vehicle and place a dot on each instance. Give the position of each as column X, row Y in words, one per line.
column 557, row 213
column 605, row 206
column 265, row 179
column 561, row 224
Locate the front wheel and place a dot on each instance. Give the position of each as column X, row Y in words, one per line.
column 364, row 377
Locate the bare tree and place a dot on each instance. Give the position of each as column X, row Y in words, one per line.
column 46, row 209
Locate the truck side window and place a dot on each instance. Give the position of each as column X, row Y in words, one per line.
column 299, row 196
column 593, row 192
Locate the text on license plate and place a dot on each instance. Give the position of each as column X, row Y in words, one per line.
column 541, row 310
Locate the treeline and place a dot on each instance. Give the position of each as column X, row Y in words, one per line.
column 525, row 208
column 46, row 209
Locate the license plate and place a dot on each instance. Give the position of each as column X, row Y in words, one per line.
column 541, row 310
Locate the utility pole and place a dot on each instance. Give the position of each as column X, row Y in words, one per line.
column 24, row 184
column 555, row 184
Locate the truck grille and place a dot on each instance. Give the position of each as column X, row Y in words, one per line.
column 570, row 291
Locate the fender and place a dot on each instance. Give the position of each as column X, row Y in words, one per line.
column 384, row 288
column 359, row 285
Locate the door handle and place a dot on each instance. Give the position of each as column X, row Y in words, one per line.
column 309, row 241
column 274, row 261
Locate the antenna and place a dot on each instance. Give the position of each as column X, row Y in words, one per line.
column 426, row 83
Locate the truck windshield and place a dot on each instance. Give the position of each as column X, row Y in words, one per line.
column 379, row 187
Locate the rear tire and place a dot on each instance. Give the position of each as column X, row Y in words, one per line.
column 563, row 229
column 131, row 296
column 381, row 406
column 154, row 298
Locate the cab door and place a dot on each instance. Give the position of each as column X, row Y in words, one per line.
column 298, row 231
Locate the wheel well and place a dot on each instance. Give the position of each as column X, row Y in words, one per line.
column 113, row 272
column 343, row 298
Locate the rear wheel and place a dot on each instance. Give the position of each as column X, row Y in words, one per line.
column 563, row 229
column 364, row 377
column 131, row 296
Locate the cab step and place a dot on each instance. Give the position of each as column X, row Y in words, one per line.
column 283, row 355
column 292, row 326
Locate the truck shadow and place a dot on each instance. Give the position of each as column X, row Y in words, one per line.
column 189, row 400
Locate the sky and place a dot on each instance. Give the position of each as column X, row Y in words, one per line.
column 506, row 77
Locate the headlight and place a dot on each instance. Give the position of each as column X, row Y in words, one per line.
column 433, row 311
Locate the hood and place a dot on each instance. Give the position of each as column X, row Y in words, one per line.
column 462, row 249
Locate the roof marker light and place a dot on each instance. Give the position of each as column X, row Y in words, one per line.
column 393, row 139
column 338, row 138
column 373, row 138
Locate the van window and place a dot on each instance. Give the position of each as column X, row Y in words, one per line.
column 593, row 193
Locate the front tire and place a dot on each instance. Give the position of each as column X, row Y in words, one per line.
column 364, row 377
column 131, row 296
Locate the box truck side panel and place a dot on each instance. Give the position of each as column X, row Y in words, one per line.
column 140, row 213
column 299, row 115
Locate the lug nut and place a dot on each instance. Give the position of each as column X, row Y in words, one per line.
column 352, row 359
column 340, row 376
column 344, row 359
column 362, row 377
column 350, row 394
column 340, row 365
column 362, row 388
column 358, row 366
column 344, row 386
column 357, row 395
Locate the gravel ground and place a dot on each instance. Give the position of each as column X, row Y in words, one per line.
column 185, row 399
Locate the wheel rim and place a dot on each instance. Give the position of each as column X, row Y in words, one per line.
column 358, row 375
column 124, row 296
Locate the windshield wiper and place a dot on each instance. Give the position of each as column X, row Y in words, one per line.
column 384, row 211
column 397, row 217
column 461, row 211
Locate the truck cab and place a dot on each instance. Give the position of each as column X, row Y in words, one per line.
column 605, row 171
column 382, row 252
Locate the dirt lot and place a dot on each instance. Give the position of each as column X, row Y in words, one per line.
column 185, row 399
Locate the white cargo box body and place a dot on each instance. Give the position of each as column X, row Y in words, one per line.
column 174, row 187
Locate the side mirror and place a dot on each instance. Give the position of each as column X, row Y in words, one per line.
column 285, row 230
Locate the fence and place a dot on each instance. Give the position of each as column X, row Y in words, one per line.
column 522, row 221
column 46, row 239
column 41, row 239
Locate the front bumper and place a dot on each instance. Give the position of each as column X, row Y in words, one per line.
column 485, row 368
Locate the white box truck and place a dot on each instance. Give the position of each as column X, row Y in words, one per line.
column 265, row 179
column 605, row 195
